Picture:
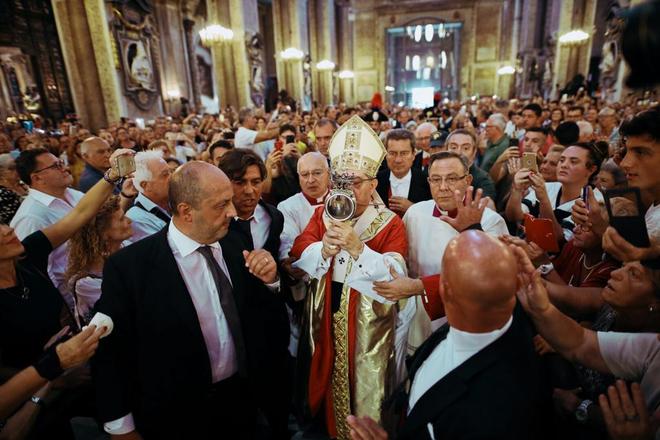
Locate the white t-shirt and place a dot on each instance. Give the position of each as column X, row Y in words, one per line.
column 652, row 218
column 634, row 357
column 244, row 138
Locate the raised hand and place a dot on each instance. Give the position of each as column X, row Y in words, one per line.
column 469, row 211
column 531, row 292
column 625, row 414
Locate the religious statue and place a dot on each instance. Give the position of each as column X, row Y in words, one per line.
column 255, row 59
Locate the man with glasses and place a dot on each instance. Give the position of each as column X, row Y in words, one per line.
column 430, row 225
column 95, row 153
column 400, row 185
column 50, row 198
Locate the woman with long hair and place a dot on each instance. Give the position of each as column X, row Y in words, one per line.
column 12, row 190
column 88, row 250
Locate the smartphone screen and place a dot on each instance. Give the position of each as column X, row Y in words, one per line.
column 585, row 195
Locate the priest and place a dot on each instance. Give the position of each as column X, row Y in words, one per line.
column 355, row 339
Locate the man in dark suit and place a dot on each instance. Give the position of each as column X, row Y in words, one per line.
column 260, row 225
column 187, row 354
column 478, row 376
column 400, row 186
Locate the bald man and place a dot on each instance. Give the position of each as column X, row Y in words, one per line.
column 478, row 376
column 193, row 353
column 95, row 153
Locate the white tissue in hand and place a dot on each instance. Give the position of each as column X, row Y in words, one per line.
column 101, row 320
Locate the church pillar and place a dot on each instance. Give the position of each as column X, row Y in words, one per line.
column 89, row 59
column 573, row 59
column 323, row 47
column 290, row 31
column 230, row 65
column 188, row 25
column 345, row 50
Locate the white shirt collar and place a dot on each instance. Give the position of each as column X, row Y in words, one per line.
column 44, row 198
column 395, row 181
column 474, row 342
column 259, row 215
column 184, row 244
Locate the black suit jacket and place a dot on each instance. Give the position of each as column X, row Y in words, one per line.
column 419, row 186
column 155, row 364
column 499, row 393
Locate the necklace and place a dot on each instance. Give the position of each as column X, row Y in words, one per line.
column 584, row 263
column 589, row 268
column 23, row 290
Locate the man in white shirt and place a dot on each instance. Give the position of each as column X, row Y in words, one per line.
column 48, row 200
column 430, row 226
column 478, row 376
column 248, row 137
column 150, row 211
column 191, row 337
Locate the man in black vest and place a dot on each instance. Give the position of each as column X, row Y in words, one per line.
column 478, row 376
column 187, row 354
column 260, row 225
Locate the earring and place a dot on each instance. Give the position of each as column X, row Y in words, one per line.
column 653, row 308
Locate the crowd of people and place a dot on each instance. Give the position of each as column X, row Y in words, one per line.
column 235, row 305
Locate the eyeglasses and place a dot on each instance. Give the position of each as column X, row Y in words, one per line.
column 448, row 180
column 357, row 183
column 315, row 174
column 59, row 165
column 401, row 154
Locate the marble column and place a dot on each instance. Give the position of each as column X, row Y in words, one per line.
column 323, row 47
column 188, row 26
column 345, row 50
column 290, row 18
column 574, row 59
column 230, row 62
column 89, row 59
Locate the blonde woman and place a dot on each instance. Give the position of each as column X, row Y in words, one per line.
column 88, row 250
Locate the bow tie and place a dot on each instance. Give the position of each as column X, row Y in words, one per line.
column 438, row 213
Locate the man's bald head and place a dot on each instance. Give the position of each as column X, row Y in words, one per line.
column 478, row 283
column 192, row 182
column 96, row 152
column 313, row 159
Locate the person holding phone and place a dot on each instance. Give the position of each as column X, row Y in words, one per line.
column 531, row 194
column 248, row 137
column 281, row 164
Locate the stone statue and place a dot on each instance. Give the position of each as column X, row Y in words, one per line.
column 255, row 59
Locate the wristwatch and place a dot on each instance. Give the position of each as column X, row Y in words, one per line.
column 545, row 269
column 582, row 411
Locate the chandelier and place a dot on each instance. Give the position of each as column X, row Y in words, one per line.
column 292, row 54
column 574, row 38
column 214, row 34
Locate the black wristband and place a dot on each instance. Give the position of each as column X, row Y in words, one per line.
column 48, row 366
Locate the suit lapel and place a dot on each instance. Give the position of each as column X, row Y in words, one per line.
column 172, row 283
column 452, row 386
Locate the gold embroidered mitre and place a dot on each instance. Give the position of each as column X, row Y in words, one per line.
column 355, row 147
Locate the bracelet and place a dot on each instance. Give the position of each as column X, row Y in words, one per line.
column 48, row 366
column 107, row 178
column 123, row 194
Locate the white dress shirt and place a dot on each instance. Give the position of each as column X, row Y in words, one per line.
column 259, row 227
column 38, row 211
column 457, row 347
column 400, row 187
column 144, row 223
column 204, row 294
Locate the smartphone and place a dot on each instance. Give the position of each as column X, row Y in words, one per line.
column 278, row 145
column 529, row 161
column 290, row 139
column 585, row 195
column 28, row 126
column 126, row 164
column 73, row 130
column 624, row 206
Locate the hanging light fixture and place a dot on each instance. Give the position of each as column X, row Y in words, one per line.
column 428, row 32
column 215, row 34
column 346, row 74
column 442, row 33
column 325, row 65
column 415, row 62
column 574, row 38
column 430, row 61
column 292, row 54
column 443, row 59
column 389, row 89
column 506, row 70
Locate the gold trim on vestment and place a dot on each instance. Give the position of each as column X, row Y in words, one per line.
column 341, row 394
